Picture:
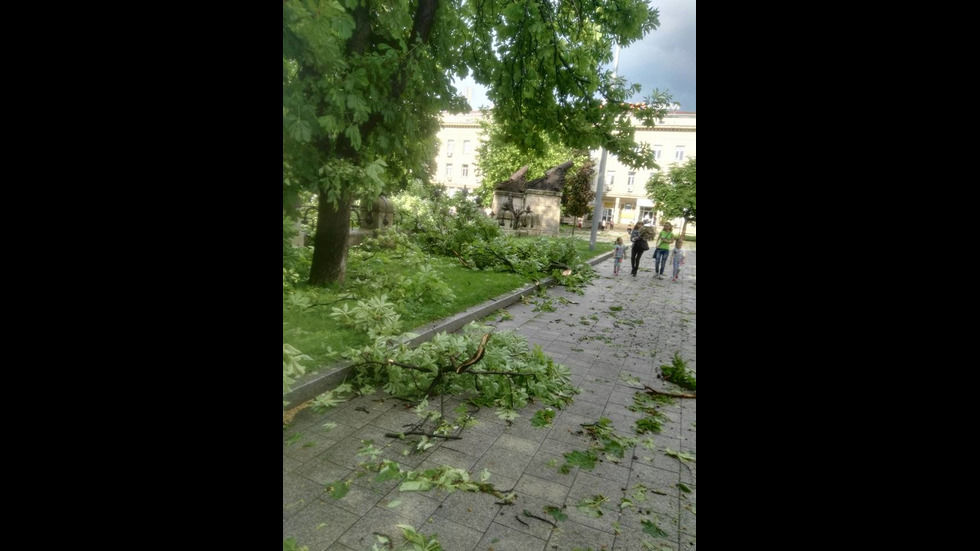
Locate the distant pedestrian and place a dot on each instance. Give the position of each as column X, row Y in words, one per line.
column 644, row 234
column 618, row 255
column 677, row 258
column 663, row 249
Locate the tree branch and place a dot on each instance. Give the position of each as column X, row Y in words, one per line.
column 480, row 352
column 653, row 391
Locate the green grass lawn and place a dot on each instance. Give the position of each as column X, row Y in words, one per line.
column 313, row 331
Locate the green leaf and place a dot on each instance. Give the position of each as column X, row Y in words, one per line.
column 559, row 515
column 543, row 418
column 683, row 457
column 415, row 486
column 293, row 439
column 654, row 530
column 338, row 489
column 684, row 488
column 585, row 460
column 394, row 504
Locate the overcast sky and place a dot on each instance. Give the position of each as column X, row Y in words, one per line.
column 665, row 59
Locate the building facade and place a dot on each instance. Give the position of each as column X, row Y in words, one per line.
column 624, row 198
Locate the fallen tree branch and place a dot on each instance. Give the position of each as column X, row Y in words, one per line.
column 501, row 373
column 420, row 433
column 461, row 260
column 532, row 515
column 480, row 352
column 653, row 391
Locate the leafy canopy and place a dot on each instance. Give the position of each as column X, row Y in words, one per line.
column 364, row 82
column 676, row 192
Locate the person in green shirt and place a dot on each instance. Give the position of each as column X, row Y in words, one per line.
column 662, row 250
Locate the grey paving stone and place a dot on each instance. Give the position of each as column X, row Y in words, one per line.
column 345, row 452
column 395, row 419
column 359, row 500
column 540, row 468
column 520, row 445
column 338, row 433
column 361, row 534
column 595, row 392
column 452, row 536
column 632, row 536
column 473, row 510
column 319, row 525
column 356, row 418
column 416, row 506
column 403, row 451
column 307, row 447
column 619, row 473
column 610, row 515
column 289, row 464
column 503, row 461
column 522, row 429
column 688, row 543
column 476, row 440
column 571, row 535
column 656, row 479
column 297, row 493
column 444, row 456
column 322, row 471
column 588, row 485
column 552, row 492
column 513, row 517
column 689, row 522
column 503, row 538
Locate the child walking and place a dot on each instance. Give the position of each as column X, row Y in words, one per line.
column 618, row 255
column 677, row 258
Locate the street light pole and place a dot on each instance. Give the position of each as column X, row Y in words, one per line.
column 601, row 181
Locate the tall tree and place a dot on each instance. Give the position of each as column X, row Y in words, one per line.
column 365, row 80
column 576, row 198
column 676, row 192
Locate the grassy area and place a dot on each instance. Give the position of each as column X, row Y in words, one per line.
column 314, row 332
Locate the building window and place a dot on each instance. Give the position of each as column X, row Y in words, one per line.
column 630, row 180
column 657, row 149
column 449, row 172
column 466, row 148
column 449, row 148
column 628, row 206
column 465, row 171
column 610, row 178
column 679, row 153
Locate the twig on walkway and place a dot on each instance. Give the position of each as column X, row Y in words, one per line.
column 653, row 391
column 420, row 433
column 529, row 514
column 521, row 521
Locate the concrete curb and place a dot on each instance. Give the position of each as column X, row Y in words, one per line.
column 313, row 385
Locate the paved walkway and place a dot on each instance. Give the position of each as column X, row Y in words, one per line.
column 592, row 340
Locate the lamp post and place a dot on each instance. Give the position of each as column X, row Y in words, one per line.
column 600, row 182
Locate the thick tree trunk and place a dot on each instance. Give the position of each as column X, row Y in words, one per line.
column 684, row 228
column 330, row 242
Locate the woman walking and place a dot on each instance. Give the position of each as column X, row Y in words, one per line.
column 663, row 249
column 640, row 238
